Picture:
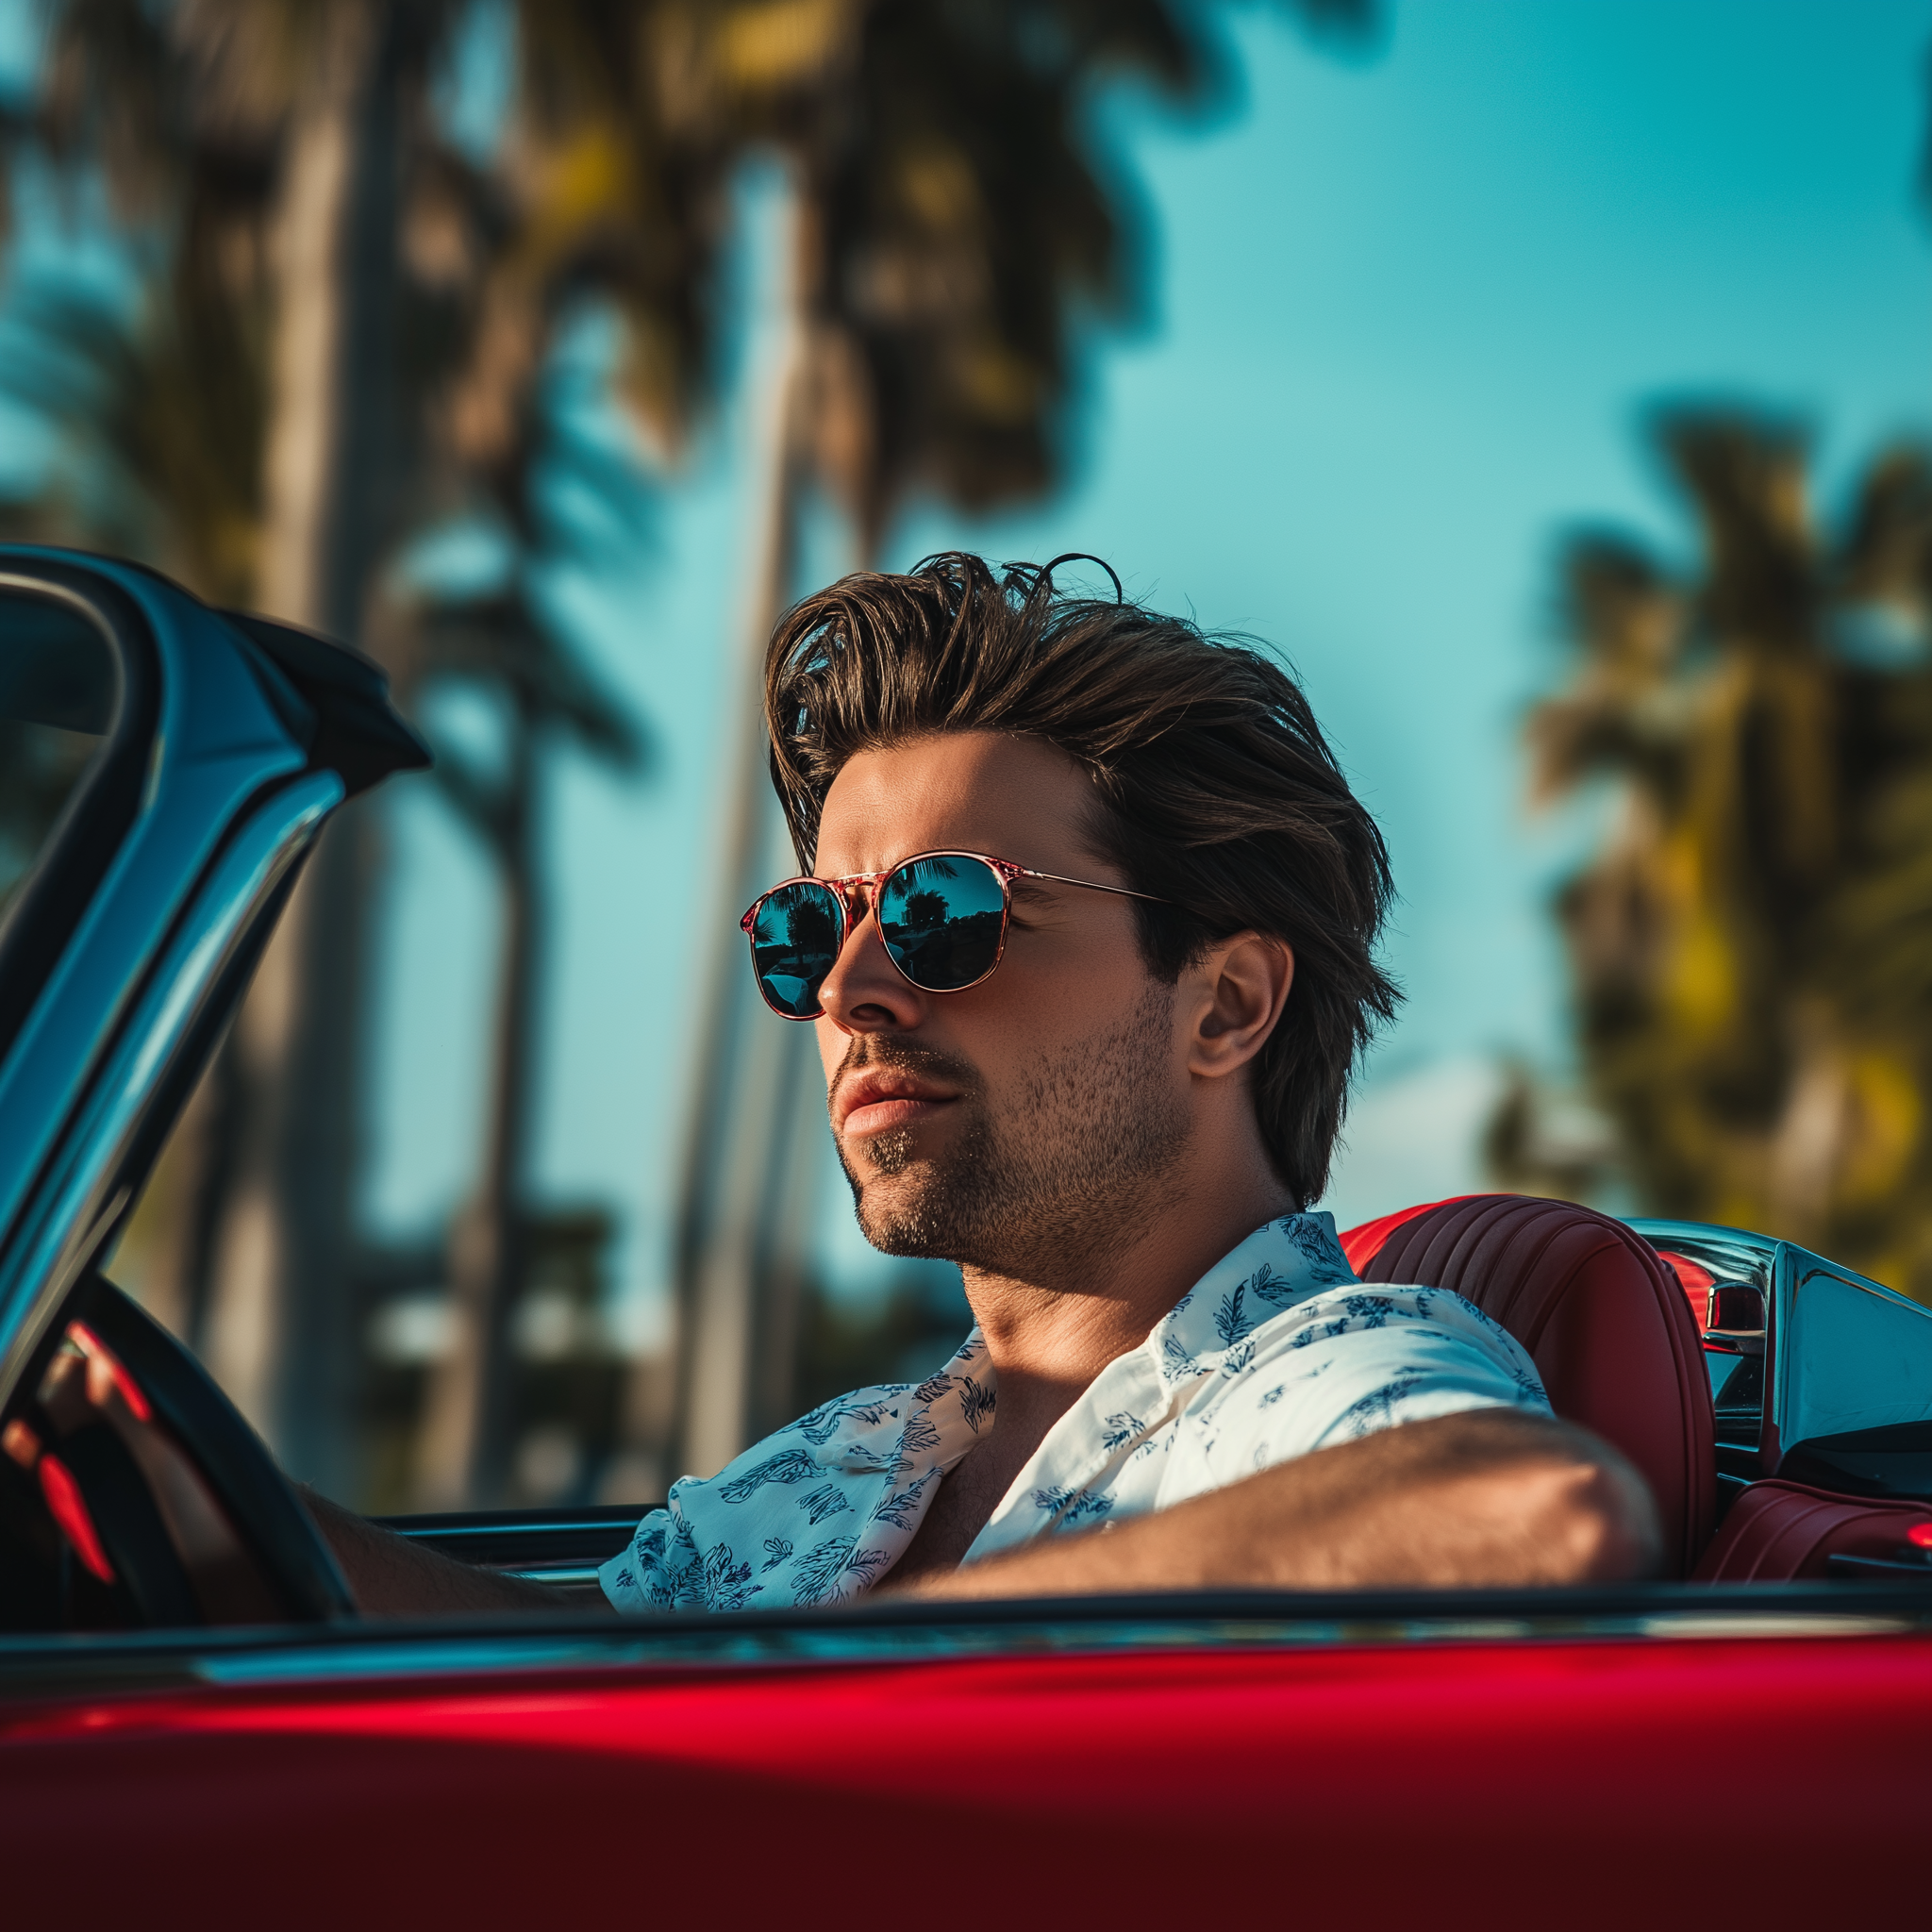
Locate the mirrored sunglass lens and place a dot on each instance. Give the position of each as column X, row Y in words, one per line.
column 794, row 942
column 941, row 920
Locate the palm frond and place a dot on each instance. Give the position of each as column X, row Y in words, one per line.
column 1754, row 937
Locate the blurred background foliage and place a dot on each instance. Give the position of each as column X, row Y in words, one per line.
column 391, row 339
column 345, row 330
column 1752, row 944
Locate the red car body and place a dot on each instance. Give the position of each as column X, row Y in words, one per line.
column 1616, row 1777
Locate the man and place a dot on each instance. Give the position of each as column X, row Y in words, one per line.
column 1086, row 936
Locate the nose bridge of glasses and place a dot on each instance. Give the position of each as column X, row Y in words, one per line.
column 857, row 894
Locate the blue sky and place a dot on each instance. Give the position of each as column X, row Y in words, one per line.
column 1403, row 311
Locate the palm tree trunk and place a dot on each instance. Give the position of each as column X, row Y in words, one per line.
column 737, row 1284
column 281, row 1314
column 466, row 1441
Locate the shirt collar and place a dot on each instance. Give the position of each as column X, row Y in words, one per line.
column 1206, row 1333
column 1281, row 1263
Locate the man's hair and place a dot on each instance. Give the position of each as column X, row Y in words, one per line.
column 1214, row 786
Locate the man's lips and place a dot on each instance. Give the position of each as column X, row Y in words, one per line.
column 884, row 1097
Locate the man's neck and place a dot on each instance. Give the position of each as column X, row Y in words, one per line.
column 1050, row 1329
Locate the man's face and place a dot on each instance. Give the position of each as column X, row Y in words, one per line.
column 1036, row 1115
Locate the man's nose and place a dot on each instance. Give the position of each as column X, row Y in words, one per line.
column 864, row 991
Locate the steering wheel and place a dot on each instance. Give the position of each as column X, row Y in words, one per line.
column 157, row 1486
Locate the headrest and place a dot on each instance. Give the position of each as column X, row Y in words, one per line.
column 1607, row 1327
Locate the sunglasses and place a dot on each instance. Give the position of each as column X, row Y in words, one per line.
column 942, row 918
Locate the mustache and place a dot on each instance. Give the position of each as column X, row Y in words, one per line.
column 888, row 1050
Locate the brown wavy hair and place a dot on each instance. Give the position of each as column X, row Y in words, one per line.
column 1213, row 784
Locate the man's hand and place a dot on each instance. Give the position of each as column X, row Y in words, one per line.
column 1488, row 1497
column 391, row 1576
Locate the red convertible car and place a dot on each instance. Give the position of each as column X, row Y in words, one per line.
column 196, row 1726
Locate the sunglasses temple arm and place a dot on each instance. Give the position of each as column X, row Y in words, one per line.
column 1094, row 886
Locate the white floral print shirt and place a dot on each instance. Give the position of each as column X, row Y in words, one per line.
column 1276, row 1351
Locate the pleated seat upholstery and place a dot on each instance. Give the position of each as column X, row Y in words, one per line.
column 1781, row 1532
column 1607, row 1325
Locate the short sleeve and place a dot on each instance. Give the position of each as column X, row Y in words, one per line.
column 1341, row 1366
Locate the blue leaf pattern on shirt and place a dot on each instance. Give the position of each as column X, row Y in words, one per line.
column 820, row 1426
column 828, row 1499
column 822, row 1574
column 777, row 1549
column 976, row 1402
column 728, row 1588
column 1071, row 1507
column 919, row 1433
column 1176, row 1362
column 1327, row 1266
column 1231, row 1320
column 1121, row 1429
column 812, row 1577
column 903, row 1510
column 1376, row 1411
column 1277, row 1290
column 1371, row 1310
column 789, row 1466
column 684, row 1567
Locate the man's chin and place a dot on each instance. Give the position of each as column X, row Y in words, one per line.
column 903, row 1204
column 920, row 1192
column 897, row 1218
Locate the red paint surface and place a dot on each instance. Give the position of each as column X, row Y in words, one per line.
column 1498, row 1785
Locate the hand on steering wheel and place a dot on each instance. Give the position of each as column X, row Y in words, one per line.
column 161, row 1494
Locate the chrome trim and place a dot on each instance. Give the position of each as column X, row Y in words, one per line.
column 1853, row 1354
column 903, row 1632
column 1749, row 1256
column 1842, row 1353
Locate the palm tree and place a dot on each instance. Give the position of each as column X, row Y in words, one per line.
column 344, row 327
column 1752, row 947
column 508, row 638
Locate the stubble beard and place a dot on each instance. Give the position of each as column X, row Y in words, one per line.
column 1082, row 1160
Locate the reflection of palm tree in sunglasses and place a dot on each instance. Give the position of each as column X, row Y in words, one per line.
column 810, row 923
column 947, row 948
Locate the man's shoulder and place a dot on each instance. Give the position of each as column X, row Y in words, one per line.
column 1390, row 1311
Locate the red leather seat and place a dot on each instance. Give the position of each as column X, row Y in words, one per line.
column 1776, row 1532
column 1610, row 1330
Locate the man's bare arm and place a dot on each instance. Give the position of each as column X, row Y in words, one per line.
column 391, row 1576
column 1490, row 1496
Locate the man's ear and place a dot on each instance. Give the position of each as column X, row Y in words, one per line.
column 1233, row 997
